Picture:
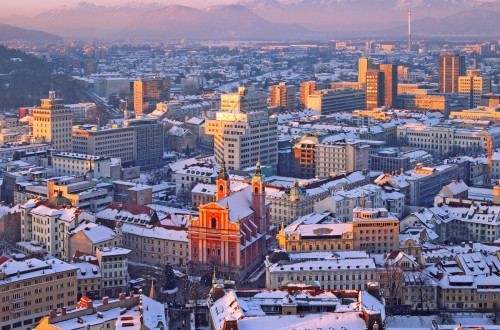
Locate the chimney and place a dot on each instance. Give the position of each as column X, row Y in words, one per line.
column 131, row 294
column 90, row 304
column 50, row 190
column 53, row 313
column 121, row 296
column 104, row 300
column 402, row 171
column 63, row 310
column 440, row 276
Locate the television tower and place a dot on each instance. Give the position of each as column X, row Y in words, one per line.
column 409, row 31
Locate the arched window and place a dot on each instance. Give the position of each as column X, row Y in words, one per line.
column 214, row 223
column 221, row 188
column 256, row 190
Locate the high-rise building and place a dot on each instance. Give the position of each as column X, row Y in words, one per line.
column 328, row 101
column 306, row 89
column 450, row 68
column 53, row 123
column 239, row 138
column 364, row 64
column 375, row 91
column 473, row 85
column 340, row 157
column 390, row 84
column 150, row 91
column 283, row 96
column 246, row 99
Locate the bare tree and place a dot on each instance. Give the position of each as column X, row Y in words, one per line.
column 391, row 284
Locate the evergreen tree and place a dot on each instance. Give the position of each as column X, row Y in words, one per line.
column 169, row 277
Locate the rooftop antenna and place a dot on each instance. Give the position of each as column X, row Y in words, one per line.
column 409, row 31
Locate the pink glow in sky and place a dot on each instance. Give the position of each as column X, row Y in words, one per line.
column 33, row 7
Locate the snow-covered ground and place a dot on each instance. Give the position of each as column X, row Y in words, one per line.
column 408, row 322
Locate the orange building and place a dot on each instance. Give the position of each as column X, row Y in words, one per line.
column 233, row 232
column 375, row 231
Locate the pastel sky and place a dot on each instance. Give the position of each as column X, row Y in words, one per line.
column 32, row 7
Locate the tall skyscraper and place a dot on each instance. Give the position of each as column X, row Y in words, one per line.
column 239, row 138
column 306, row 89
column 450, row 68
column 283, row 96
column 364, row 64
column 246, row 99
column 150, row 91
column 473, row 85
column 390, row 84
column 375, row 92
column 53, row 123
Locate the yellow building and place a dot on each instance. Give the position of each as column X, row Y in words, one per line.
column 283, row 96
column 479, row 113
column 53, row 123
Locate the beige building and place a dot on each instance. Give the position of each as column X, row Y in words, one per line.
column 473, row 85
column 53, row 122
column 336, row 158
column 156, row 245
column 364, row 64
column 247, row 99
column 283, row 96
column 30, row 289
column 328, row 101
column 241, row 139
column 89, row 236
column 479, row 113
column 375, row 230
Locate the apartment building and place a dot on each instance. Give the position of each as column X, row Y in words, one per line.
column 49, row 223
column 113, row 262
column 52, row 122
column 306, row 89
column 340, row 157
column 30, row 289
column 89, row 236
column 241, row 139
column 329, row 101
column 303, row 162
column 10, row 222
column 375, row 230
column 283, row 96
column 156, row 245
column 80, row 111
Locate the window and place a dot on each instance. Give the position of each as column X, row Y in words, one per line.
column 214, row 223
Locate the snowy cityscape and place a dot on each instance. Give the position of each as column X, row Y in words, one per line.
column 249, row 166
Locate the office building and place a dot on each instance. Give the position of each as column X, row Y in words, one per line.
column 479, row 113
column 67, row 163
column 283, row 96
column 306, row 89
column 435, row 101
column 32, row 288
column 247, row 99
column 329, row 101
column 375, row 89
column 52, row 122
column 241, row 138
column 138, row 142
column 390, row 84
column 364, row 64
column 303, row 157
column 148, row 92
column 341, row 157
column 450, row 68
column 490, row 100
column 473, row 85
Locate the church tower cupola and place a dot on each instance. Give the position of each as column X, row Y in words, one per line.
column 223, row 182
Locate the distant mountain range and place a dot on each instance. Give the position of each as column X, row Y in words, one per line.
column 270, row 20
column 9, row 33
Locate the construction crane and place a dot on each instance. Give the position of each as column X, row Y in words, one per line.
column 490, row 152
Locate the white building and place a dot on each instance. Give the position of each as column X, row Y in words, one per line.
column 113, row 262
column 336, row 158
column 49, row 223
column 67, row 163
column 336, row 274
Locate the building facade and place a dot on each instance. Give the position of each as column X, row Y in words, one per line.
column 283, row 96
column 450, row 68
column 150, row 91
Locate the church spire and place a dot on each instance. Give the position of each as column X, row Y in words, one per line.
column 223, row 172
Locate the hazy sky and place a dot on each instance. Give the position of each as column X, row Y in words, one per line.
column 32, row 7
